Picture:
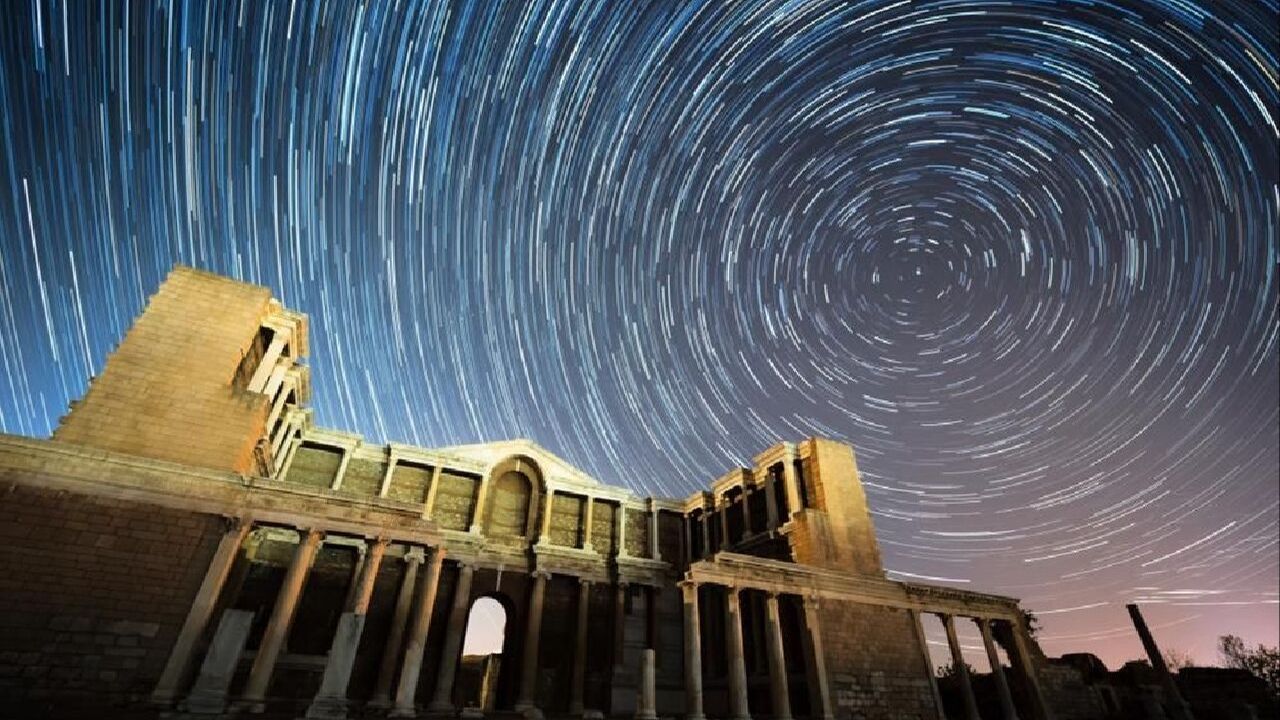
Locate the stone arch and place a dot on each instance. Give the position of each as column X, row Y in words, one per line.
column 516, row 491
column 491, row 684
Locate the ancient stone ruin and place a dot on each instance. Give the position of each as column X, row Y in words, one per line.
column 190, row 544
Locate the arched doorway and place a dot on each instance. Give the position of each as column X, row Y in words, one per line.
column 482, row 653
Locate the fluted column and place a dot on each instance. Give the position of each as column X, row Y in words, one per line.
column 707, row 514
column 579, row 680
column 1007, row 710
column 532, row 633
column 777, row 661
column 654, row 548
column 961, row 670
column 692, row 653
column 738, row 706
column 264, row 663
column 442, row 699
column 395, row 636
column 166, row 689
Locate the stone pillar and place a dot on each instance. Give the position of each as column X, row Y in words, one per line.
column 588, row 517
column 647, row 702
column 482, row 495
column 692, row 653
column 429, row 503
column 738, row 707
column 792, row 484
column 747, row 529
column 579, row 679
column 532, row 632
column 655, row 549
column 706, row 529
column 166, row 689
column 777, row 661
column 331, row 701
column 1007, row 710
column 442, row 700
column 961, row 670
column 544, row 533
column 771, row 499
column 357, row 572
column 264, row 663
column 259, row 381
column 209, row 692
column 620, row 523
column 619, row 621
column 407, row 688
column 395, row 636
column 1021, row 658
column 1177, row 706
column 819, row 689
column 347, row 451
column 688, row 538
column 923, row 644
column 723, row 512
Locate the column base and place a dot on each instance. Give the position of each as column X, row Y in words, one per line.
column 326, row 708
column 439, row 709
column 698, row 716
column 403, row 712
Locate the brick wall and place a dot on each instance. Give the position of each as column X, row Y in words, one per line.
column 92, row 594
column 874, row 663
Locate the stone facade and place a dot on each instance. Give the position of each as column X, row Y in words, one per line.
column 189, row 542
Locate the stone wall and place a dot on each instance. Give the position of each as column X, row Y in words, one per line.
column 169, row 380
column 92, row 594
column 875, row 666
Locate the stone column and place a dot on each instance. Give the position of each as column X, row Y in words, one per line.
column 619, row 621
column 532, row 632
column 791, row 483
column 620, row 521
column 407, row 688
column 1007, row 711
column 647, row 702
column 482, row 495
column 429, row 503
column 264, row 662
column 777, row 661
column 166, row 689
column 820, row 691
column 331, row 701
column 692, row 653
column 747, row 529
column 923, row 644
column 544, row 533
column 961, row 670
column 259, row 381
column 442, row 697
column 1173, row 697
column 771, row 499
column 706, row 529
column 579, row 679
column 395, row 636
column 357, row 572
column 723, row 512
column 588, row 517
column 1021, row 657
column 654, row 548
column 347, row 451
column 738, row 707
column 688, row 538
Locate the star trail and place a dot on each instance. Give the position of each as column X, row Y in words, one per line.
column 1021, row 255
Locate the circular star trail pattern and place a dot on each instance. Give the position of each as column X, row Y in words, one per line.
column 1022, row 255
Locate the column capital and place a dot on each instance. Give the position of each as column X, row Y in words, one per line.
column 540, row 574
column 688, row 584
column 583, row 581
column 415, row 554
column 231, row 523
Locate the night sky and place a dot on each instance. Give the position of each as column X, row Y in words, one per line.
column 1021, row 255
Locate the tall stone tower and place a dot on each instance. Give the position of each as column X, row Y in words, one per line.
column 208, row 376
column 834, row 529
